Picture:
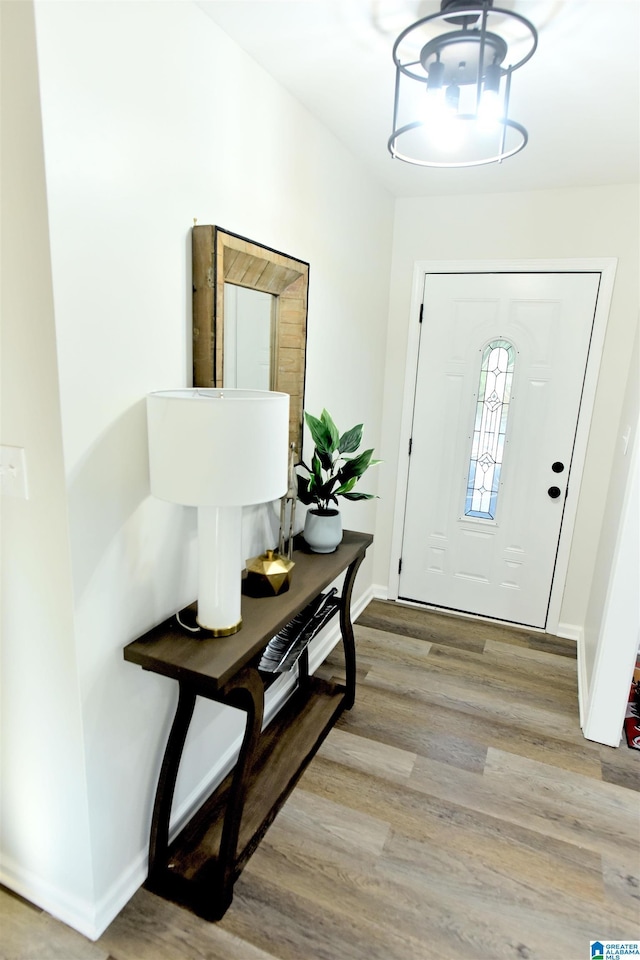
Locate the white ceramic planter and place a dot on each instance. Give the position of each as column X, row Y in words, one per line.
column 323, row 531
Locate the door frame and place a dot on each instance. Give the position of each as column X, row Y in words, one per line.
column 606, row 266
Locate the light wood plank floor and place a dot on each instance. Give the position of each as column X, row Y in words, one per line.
column 455, row 812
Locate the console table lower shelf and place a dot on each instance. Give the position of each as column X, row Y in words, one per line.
column 200, row 866
column 195, row 872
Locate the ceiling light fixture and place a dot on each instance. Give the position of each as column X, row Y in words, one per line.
column 456, row 114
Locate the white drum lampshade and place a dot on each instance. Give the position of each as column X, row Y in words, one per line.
column 218, row 450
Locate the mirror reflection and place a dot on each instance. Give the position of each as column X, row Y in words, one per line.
column 249, row 338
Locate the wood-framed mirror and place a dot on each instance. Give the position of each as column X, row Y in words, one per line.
column 225, row 265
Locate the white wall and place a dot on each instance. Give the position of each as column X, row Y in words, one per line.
column 607, row 654
column 44, row 826
column 151, row 117
column 597, row 222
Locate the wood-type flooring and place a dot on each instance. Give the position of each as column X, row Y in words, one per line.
column 456, row 812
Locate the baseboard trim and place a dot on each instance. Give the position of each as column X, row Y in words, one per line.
column 583, row 679
column 379, row 591
column 569, row 631
column 76, row 912
column 120, row 892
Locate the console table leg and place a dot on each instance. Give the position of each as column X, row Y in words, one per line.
column 346, row 629
column 159, row 839
column 246, row 692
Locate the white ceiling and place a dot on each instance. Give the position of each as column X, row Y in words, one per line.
column 579, row 96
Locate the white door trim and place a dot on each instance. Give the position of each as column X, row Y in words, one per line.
column 606, row 266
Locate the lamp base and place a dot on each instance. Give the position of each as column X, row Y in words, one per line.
column 220, row 570
column 187, row 620
column 222, row 631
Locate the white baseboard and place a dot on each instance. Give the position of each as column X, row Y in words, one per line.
column 583, row 680
column 119, row 893
column 76, row 912
column 569, row 631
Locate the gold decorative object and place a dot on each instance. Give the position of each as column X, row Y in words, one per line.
column 268, row 575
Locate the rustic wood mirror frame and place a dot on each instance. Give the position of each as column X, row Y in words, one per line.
column 221, row 257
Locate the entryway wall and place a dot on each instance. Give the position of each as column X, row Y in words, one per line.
column 554, row 224
column 612, row 627
column 91, row 560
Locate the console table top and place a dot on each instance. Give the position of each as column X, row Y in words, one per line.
column 169, row 650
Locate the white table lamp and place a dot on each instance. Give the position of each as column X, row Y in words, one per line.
column 218, row 450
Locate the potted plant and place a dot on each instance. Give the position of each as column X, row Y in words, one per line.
column 331, row 475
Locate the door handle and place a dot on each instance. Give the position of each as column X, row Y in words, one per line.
column 554, row 492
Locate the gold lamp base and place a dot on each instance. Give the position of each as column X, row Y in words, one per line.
column 222, row 631
column 268, row 575
column 188, row 620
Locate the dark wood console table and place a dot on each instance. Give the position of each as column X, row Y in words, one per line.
column 200, row 867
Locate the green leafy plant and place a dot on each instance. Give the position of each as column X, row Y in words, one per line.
column 332, row 474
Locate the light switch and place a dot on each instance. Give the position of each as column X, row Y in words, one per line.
column 13, row 472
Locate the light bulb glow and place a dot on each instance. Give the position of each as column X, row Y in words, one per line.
column 441, row 124
column 489, row 110
column 452, row 97
column 490, row 107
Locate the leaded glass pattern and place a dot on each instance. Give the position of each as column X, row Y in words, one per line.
column 487, row 447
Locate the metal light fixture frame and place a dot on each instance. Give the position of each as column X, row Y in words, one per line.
column 462, row 12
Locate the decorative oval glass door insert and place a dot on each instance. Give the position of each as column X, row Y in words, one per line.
column 487, row 445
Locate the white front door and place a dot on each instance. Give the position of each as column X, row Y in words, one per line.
column 491, row 451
